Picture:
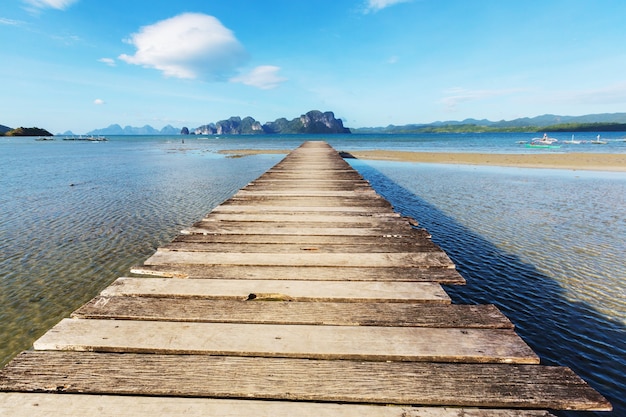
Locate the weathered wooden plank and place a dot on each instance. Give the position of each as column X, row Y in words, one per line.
column 330, row 178
column 372, row 343
column 418, row 383
column 344, row 291
column 440, row 275
column 304, row 201
column 301, row 210
column 294, row 312
column 366, row 192
column 417, row 237
column 319, row 229
column 302, row 187
column 268, row 183
column 381, row 260
column 423, row 246
column 347, row 174
column 315, row 234
column 309, row 218
column 51, row 405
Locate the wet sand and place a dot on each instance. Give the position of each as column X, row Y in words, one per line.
column 574, row 161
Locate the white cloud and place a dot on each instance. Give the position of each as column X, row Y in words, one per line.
column 9, row 22
column 98, row 102
column 264, row 77
column 611, row 94
column 50, row 4
column 376, row 5
column 457, row 95
column 109, row 61
column 190, row 45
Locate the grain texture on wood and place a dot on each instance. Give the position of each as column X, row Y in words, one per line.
column 425, row 246
column 69, row 405
column 373, row 343
column 414, row 238
column 375, row 260
column 440, row 275
column 417, row 383
column 346, row 291
column 294, row 312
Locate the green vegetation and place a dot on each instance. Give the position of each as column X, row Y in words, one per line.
column 28, row 131
column 587, row 127
column 476, row 128
column 472, row 128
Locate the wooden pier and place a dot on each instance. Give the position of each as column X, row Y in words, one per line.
column 304, row 294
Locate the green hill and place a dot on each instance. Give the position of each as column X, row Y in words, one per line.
column 28, row 131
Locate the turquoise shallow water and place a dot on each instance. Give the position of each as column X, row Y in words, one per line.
column 546, row 246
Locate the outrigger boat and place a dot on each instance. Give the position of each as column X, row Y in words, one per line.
column 572, row 141
column 598, row 141
column 544, row 142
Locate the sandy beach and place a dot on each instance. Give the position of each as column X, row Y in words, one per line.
column 574, row 161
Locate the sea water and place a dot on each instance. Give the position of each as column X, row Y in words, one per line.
column 545, row 246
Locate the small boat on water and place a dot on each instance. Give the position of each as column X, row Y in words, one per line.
column 572, row 141
column 544, row 142
column 598, row 141
column 89, row 138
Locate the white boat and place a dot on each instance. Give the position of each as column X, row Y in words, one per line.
column 598, row 141
column 545, row 140
column 572, row 141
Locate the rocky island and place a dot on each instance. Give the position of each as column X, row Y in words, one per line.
column 313, row 122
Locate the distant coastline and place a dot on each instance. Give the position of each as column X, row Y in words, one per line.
column 475, row 128
column 316, row 122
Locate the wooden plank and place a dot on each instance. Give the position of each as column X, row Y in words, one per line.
column 415, row 238
column 304, row 201
column 420, row 383
column 371, row 343
column 344, row 291
column 70, row 405
column 320, row 229
column 322, row 180
column 306, row 232
column 367, row 192
column 379, row 260
column 424, row 246
column 307, row 184
column 439, row 275
column 301, row 211
column 309, row 218
column 294, row 312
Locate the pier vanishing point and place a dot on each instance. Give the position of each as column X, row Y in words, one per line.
column 304, row 294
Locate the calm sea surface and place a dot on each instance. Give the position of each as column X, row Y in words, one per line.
column 546, row 246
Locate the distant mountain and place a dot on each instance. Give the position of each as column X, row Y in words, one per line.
column 116, row 129
column 548, row 122
column 317, row 122
column 313, row 122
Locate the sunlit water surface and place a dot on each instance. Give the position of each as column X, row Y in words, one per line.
column 546, row 246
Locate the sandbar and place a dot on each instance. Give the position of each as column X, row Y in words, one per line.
column 573, row 161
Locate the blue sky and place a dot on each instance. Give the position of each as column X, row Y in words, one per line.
column 85, row 64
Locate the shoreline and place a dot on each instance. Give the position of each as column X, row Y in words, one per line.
column 572, row 161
